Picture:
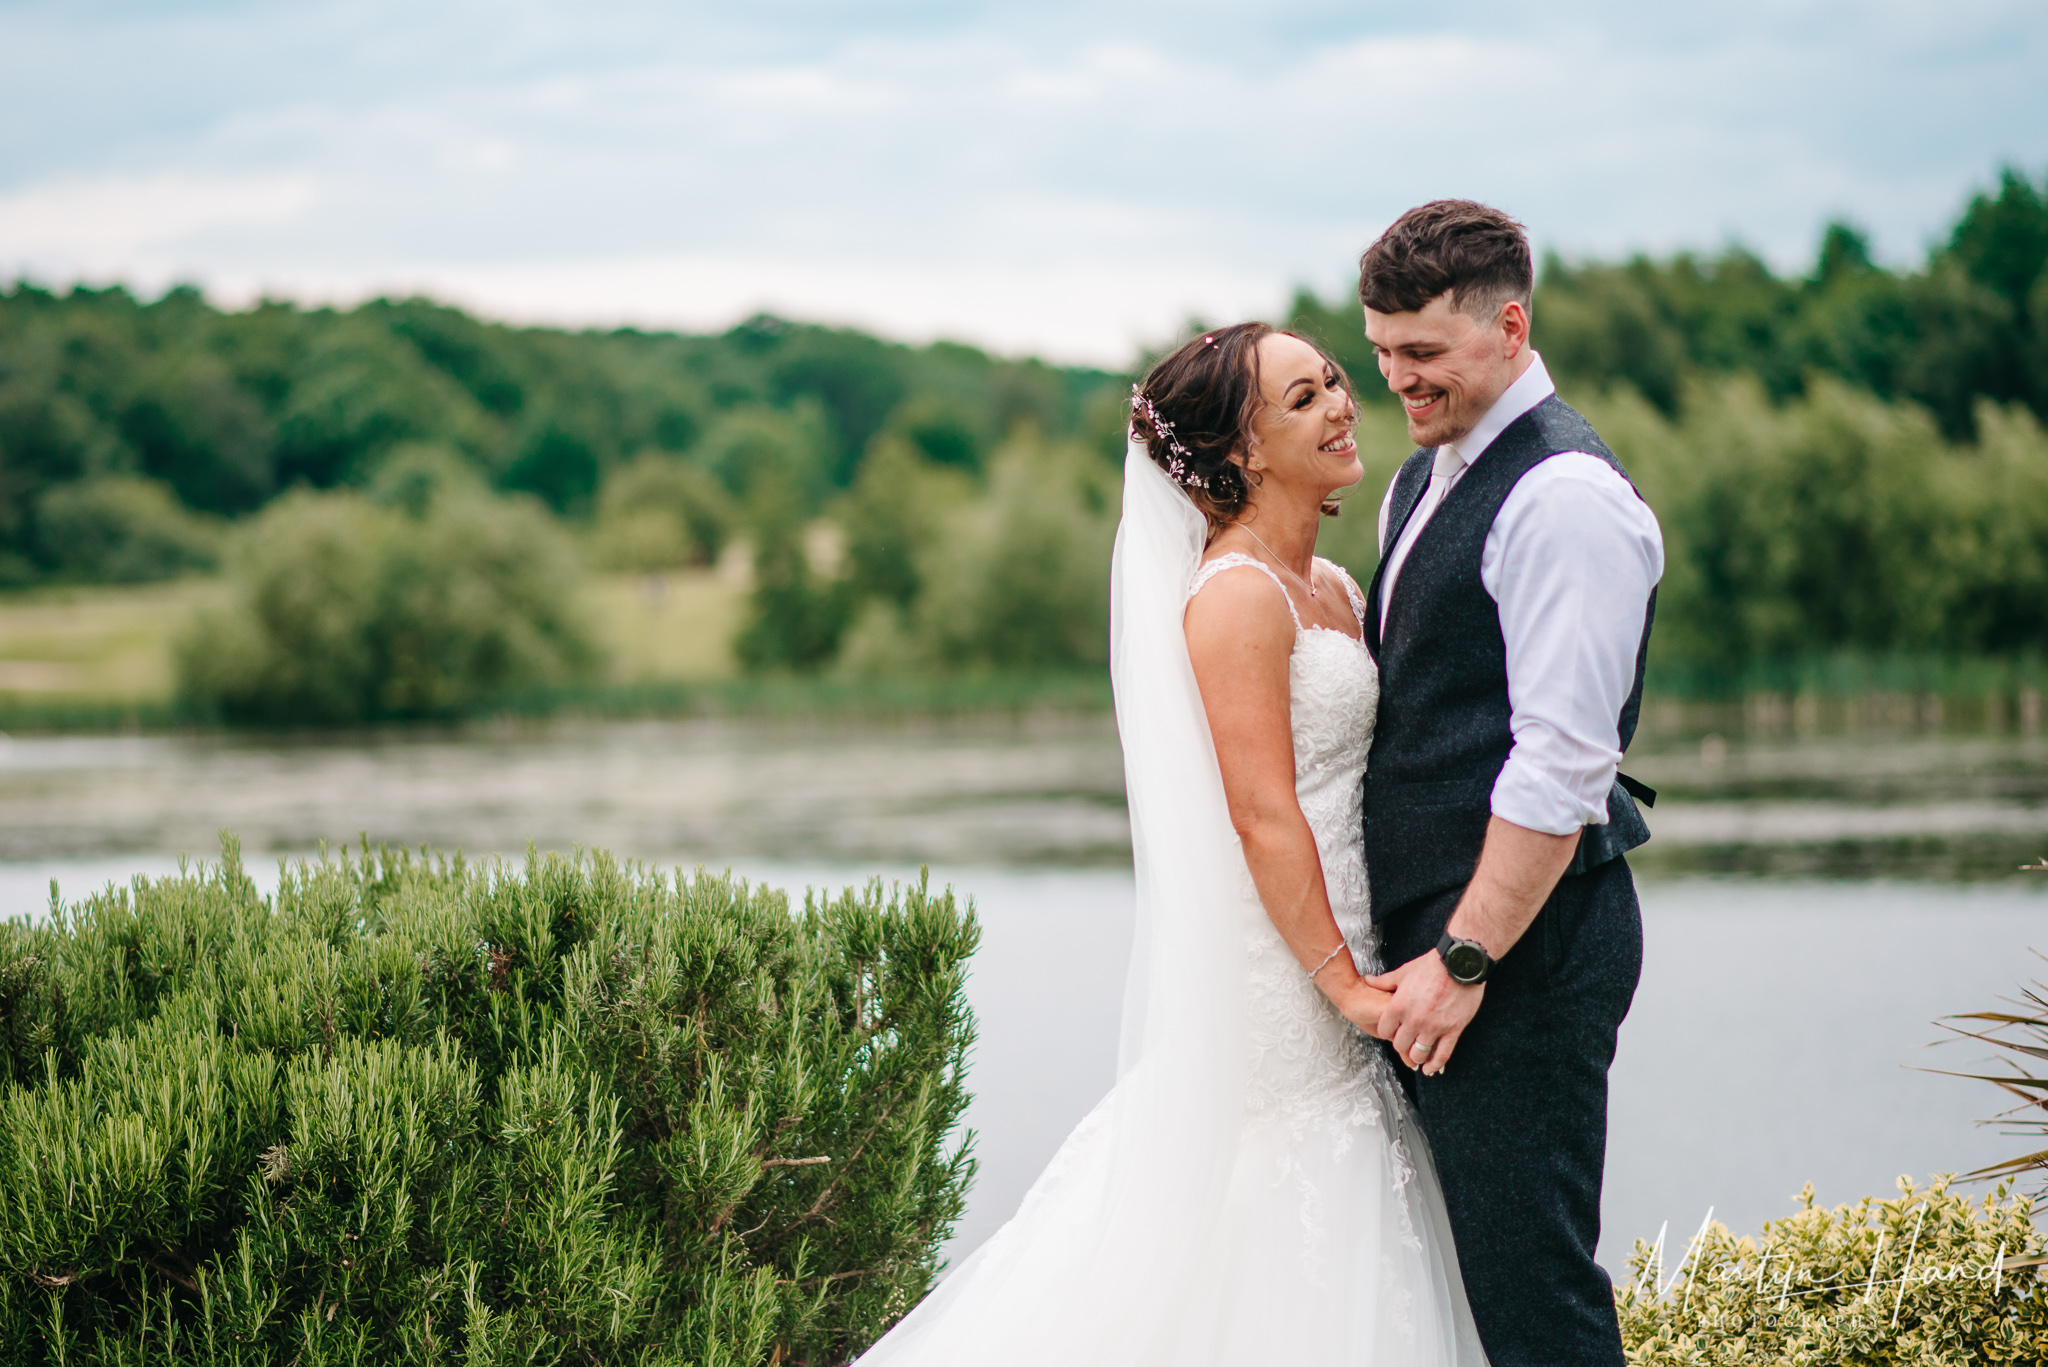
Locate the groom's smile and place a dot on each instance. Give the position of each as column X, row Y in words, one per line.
column 1448, row 366
column 1421, row 405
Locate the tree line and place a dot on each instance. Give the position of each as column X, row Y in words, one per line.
column 1848, row 464
column 129, row 430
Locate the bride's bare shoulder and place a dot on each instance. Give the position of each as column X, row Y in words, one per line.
column 1236, row 591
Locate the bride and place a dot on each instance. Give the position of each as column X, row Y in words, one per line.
column 1254, row 1189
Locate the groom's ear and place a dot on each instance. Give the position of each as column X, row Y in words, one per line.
column 1514, row 327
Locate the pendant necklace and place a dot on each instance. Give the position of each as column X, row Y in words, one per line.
column 1310, row 586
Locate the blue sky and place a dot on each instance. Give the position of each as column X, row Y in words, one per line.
column 1068, row 178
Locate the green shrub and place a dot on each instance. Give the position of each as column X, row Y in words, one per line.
column 659, row 513
column 893, row 516
column 795, row 615
column 413, row 1110
column 1927, row 1279
column 1836, row 522
column 347, row 612
column 123, row 530
column 1020, row 579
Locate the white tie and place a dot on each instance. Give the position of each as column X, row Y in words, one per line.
column 1444, row 470
column 1447, row 466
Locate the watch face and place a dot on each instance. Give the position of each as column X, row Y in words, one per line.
column 1465, row 961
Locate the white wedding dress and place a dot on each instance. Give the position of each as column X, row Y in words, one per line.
column 1254, row 1190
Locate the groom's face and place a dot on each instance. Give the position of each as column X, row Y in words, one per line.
column 1448, row 367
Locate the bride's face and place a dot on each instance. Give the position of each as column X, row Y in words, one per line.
column 1303, row 435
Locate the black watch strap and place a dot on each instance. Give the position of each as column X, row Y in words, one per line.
column 1465, row 960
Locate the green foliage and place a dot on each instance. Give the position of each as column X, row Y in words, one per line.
column 1836, row 522
column 770, row 458
column 2002, row 241
column 121, row 529
column 232, row 409
column 660, row 513
column 1926, row 1279
column 1965, row 328
column 417, row 1110
column 895, row 512
column 344, row 611
column 950, row 578
column 795, row 615
column 1020, row 578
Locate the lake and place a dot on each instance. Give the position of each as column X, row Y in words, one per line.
column 1774, row 1040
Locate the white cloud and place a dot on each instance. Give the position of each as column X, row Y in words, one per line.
column 1086, row 314
column 1060, row 176
column 110, row 216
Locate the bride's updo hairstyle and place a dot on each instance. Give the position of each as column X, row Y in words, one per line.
column 1194, row 411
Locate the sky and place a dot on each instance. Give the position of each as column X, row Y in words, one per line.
column 1069, row 179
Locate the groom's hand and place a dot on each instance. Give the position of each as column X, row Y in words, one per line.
column 1517, row 870
column 1429, row 1008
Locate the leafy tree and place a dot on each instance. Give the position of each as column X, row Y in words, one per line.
column 660, row 513
column 346, row 612
column 120, row 529
column 232, row 409
column 2002, row 241
column 766, row 456
column 1019, row 579
column 895, row 512
column 795, row 616
column 556, row 466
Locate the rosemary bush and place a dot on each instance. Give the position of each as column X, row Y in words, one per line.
column 414, row 1109
column 1926, row 1279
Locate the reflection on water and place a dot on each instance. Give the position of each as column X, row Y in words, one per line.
column 1006, row 790
column 1925, row 805
column 981, row 790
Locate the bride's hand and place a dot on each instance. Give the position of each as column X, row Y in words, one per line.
column 1360, row 1004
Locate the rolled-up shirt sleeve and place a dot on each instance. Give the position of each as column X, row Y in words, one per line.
column 1570, row 562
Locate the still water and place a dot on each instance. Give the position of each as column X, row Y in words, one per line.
column 1775, row 1038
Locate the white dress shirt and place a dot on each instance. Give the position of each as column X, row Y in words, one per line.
column 1569, row 561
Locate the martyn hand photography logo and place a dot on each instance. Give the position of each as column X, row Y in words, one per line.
column 1879, row 1271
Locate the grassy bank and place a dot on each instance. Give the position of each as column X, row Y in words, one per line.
column 99, row 658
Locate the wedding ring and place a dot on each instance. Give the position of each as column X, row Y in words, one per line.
column 1422, row 1050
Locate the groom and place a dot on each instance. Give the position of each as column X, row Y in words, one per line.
column 1510, row 614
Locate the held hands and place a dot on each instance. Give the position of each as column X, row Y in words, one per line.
column 1427, row 1012
column 1359, row 1003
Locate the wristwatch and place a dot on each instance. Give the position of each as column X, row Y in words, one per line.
column 1465, row 960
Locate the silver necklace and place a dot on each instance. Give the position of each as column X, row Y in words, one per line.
column 1283, row 564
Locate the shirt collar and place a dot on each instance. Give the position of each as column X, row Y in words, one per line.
column 1524, row 394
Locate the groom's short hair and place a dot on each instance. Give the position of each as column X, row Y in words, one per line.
column 1476, row 253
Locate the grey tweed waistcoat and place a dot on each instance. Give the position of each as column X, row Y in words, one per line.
column 1442, row 734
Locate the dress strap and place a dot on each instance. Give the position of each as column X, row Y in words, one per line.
column 1231, row 560
column 1350, row 591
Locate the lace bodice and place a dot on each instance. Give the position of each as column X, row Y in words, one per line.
column 1333, row 691
column 1313, row 1074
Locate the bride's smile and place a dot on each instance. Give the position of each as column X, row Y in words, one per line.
column 1303, row 434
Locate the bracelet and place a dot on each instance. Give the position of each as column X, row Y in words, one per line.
column 1341, row 947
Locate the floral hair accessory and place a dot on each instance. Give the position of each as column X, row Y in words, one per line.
column 1177, row 462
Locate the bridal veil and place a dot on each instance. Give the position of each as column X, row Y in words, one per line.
column 1098, row 1261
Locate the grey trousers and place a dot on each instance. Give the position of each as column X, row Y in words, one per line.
column 1518, row 1119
